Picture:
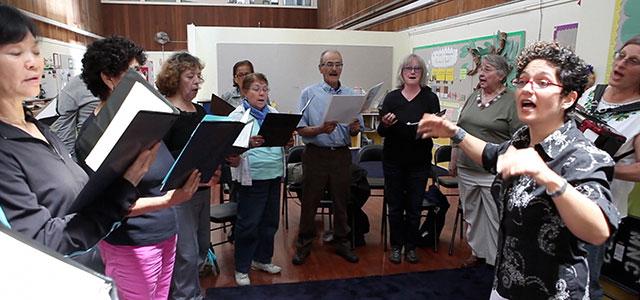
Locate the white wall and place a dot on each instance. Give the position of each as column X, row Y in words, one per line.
column 594, row 34
column 594, row 18
column 523, row 15
column 203, row 40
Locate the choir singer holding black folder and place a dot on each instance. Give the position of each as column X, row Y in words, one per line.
column 259, row 171
column 139, row 254
column 326, row 159
column 40, row 181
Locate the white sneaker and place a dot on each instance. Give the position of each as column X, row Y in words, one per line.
column 269, row 268
column 242, row 279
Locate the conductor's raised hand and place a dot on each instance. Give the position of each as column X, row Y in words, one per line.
column 433, row 126
column 256, row 141
column 141, row 165
column 516, row 162
column 389, row 119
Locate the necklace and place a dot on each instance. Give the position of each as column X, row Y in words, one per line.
column 494, row 99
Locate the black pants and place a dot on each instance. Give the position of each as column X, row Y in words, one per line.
column 324, row 168
column 404, row 188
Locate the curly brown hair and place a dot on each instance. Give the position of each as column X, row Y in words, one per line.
column 168, row 80
column 571, row 70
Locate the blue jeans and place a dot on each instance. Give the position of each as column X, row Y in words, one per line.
column 256, row 223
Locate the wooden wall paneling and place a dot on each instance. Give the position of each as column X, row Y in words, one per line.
column 332, row 13
column 440, row 10
column 83, row 14
column 141, row 22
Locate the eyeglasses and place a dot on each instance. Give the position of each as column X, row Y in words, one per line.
column 621, row 56
column 240, row 75
column 414, row 69
column 257, row 88
column 331, row 65
column 537, row 84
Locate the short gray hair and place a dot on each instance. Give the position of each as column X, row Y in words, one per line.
column 500, row 63
column 405, row 62
column 328, row 51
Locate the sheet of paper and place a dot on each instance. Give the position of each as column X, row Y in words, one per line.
column 25, row 262
column 371, row 95
column 243, row 138
column 344, row 109
column 139, row 98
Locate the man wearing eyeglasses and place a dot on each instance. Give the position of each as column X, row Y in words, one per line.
column 326, row 158
column 623, row 90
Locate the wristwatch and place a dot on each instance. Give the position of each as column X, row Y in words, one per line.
column 559, row 192
column 458, row 136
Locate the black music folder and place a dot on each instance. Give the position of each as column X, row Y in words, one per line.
column 134, row 118
column 220, row 107
column 277, row 128
column 210, row 142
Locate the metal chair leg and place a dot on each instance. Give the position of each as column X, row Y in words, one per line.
column 383, row 230
column 435, row 236
column 455, row 227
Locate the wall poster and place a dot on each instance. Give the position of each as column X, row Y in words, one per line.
column 452, row 66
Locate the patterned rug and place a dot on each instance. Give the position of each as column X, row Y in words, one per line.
column 469, row 283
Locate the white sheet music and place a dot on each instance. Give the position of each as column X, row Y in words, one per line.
column 371, row 95
column 243, row 138
column 344, row 109
column 23, row 265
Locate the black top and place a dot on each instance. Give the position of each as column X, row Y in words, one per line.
column 400, row 143
column 152, row 227
column 538, row 257
column 39, row 183
column 181, row 131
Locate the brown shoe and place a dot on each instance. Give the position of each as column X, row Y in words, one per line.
column 473, row 261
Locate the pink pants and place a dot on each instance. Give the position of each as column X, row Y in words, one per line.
column 140, row 272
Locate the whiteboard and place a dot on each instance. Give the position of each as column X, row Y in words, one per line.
column 292, row 67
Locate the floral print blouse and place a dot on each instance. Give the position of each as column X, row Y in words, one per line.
column 538, row 257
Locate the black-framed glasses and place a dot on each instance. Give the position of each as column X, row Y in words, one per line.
column 414, row 69
column 537, row 84
column 332, row 65
column 241, row 75
column 621, row 56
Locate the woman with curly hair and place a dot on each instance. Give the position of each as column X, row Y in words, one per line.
column 552, row 182
column 179, row 80
column 139, row 254
column 40, row 180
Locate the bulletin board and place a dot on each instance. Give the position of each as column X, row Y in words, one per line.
column 626, row 19
column 451, row 65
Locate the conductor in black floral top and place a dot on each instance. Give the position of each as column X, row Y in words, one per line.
column 552, row 182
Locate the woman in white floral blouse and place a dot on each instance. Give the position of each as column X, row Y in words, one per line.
column 552, row 182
